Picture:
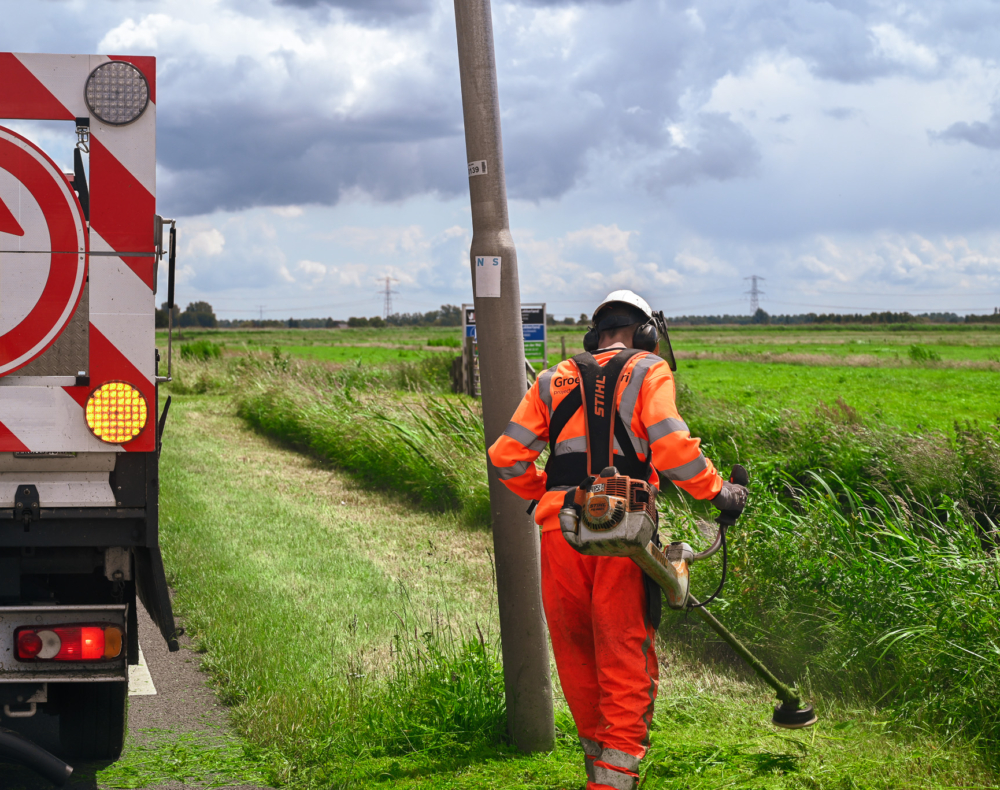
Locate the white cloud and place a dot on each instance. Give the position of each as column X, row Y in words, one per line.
column 587, row 262
column 288, row 212
column 610, row 238
column 206, row 243
column 894, row 45
column 350, row 273
column 314, row 271
column 135, row 36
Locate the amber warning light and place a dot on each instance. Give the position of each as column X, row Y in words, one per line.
column 116, row 412
column 69, row 643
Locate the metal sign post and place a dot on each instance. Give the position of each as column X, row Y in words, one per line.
column 527, row 685
column 533, row 330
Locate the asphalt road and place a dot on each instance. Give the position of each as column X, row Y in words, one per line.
column 183, row 703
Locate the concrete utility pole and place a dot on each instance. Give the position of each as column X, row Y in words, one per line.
column 527, row 684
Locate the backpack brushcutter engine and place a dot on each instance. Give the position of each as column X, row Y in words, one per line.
column 613, row 515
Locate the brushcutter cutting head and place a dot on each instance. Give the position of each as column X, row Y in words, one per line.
column 792, row 717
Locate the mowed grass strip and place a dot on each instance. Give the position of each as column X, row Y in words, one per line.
column 710, row 731
column 296, row 583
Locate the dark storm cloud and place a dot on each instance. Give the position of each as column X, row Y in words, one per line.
column 606, row 90
column 280, row 159
column 280, row 145
column 316, row 162
column 982, row 134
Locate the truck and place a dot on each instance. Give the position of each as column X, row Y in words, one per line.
column 80, row 419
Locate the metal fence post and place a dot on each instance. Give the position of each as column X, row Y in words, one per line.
column 527, row 684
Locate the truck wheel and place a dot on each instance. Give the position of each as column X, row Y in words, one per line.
column 92, row 719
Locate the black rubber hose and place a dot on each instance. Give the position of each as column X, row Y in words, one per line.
column 18, row 749
column 722, row 581
column 726, row 519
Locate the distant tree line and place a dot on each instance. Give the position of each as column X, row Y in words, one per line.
column 885, row 317
column 448, row 315
column 376, row 322
column 994, row 318
column 201, row 314
column 583, row 320
column 195, row 314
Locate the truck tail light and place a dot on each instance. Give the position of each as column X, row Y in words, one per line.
column 29, row 645
column 69, row 643
column 116, row 412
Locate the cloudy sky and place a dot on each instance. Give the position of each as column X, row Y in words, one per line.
column 848, row 152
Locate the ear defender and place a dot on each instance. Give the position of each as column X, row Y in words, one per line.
column 646, row 337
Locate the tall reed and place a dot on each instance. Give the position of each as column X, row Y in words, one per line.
column 431, row 449
column 855, row 593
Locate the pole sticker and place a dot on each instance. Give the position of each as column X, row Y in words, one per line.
column 487, row 276
column 477, row 168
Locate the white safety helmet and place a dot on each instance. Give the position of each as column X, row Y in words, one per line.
column 625, row 297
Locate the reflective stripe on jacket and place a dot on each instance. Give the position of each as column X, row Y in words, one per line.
column 645, row 398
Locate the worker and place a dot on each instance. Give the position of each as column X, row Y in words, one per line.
column 602, row 612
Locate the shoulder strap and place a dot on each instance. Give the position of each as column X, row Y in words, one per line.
column 598, row 388
column 563, row 414
column 634, row 467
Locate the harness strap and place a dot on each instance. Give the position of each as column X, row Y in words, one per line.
column 625, row 442
column 570, row 468
column 563, row 414
column 599, row 387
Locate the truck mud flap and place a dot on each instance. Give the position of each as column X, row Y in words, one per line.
column 134, row 483
column 151, row 584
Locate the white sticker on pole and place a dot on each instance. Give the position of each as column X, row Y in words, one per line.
column 477, row 168
column 487, row 276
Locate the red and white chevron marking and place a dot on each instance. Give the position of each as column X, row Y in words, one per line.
column 122, row 209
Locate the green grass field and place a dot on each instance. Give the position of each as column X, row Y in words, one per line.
column 295, row 581
column 267, row 338
column 910, row 397
column 371, row 355
column 291, row 528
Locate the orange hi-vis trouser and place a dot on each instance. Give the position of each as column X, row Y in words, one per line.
column 603, row 643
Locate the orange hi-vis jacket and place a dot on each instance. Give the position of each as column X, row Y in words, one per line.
column 645, row 399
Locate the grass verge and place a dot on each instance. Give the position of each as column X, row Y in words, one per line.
column 291, row 578
column 408, row 445
column 904, row 514
column 316, row 603
column 189, row 758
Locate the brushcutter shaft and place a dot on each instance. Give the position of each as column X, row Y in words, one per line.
column 787, row 695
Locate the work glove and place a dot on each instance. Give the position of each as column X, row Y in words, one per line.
column 574, row 496
column 732, row 499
